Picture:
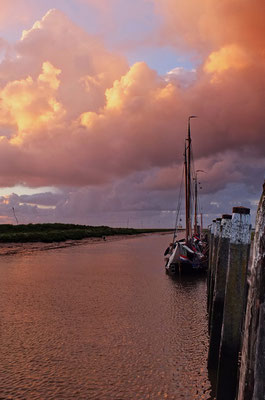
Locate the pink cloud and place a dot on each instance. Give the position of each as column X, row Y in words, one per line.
column 212, row 24
column 218, row 170
column 15, row 11
column 79, row 115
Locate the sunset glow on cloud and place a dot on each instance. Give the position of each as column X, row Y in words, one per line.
column 27, row 105
column 76, row 116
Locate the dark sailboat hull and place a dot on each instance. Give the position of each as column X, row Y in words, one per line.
column 186, row 268
column 184, row 260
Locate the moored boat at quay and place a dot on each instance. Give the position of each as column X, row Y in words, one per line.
column 188, row 254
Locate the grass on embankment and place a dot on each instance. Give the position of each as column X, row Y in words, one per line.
column 61, row 232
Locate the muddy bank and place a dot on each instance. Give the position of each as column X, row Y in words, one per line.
column 8, row 249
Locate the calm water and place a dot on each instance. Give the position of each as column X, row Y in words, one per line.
column 101, row 321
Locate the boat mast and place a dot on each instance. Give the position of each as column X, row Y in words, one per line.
column 196, row 229
column 188, row 204
column 186, row 193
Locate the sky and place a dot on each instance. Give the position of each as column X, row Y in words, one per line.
column 94, row 101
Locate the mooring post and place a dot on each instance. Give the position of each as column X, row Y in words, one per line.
column 252, row 371
column 219, row 291
column 235, row 294
column 209, row 273
column 216, row 237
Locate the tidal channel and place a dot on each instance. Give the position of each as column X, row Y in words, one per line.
column 101, row 321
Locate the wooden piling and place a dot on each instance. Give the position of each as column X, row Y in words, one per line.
column 252, row 371
column 209, row 273
column 216, row 237
column 219, row 292
column 235, row 294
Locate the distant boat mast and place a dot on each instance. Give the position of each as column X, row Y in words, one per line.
column 15, row 214
column 196, row 230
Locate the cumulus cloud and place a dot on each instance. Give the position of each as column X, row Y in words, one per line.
column 181, row 76
column 27, row 105
column 215, row 173
column 212, row 24
column 12, row 12
column 75, row 114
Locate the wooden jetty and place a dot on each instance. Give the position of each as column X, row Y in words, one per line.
column 236, row 305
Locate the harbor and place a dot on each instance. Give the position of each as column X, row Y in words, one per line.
column 107, row 306
column 132, row 200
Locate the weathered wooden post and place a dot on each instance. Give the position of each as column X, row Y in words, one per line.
column 216, row 237
column 219, row 291
column 252, row 371
column 235, row 293
column 209, row 274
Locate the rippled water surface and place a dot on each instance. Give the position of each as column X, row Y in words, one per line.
column 101, row 321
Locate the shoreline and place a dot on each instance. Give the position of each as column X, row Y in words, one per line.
column 59, row 232
column 14, row 248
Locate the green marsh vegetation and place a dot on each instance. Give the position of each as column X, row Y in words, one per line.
column 57, row 232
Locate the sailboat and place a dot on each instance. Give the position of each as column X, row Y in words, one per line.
column 190, row 253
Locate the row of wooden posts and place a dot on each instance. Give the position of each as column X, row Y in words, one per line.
column 236, row 305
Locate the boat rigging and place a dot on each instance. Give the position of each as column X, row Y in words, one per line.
column 190, row 253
